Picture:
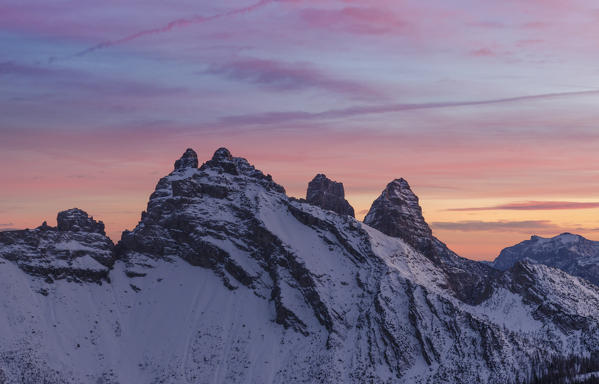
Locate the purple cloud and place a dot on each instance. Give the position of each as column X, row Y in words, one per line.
column 279, row 75
column 12, row 68
column 482, row 52
column 81, row 81
column 533, row 206
column 359, row 20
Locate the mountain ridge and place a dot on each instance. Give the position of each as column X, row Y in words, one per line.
column 226, row 279
column 569, row 252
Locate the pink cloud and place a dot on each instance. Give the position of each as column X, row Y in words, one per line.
column 529, row 42
column 280, row 75
column 354, row 20
column 99, row 134
column 486, row 52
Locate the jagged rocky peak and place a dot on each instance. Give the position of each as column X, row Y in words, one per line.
column 328, row 194
column 182, row 205
column 188, row 160
column 77, row 220
column 222, row 160
column 225, row 163
column 396, row 212
column 222, row 154
column 221, row 157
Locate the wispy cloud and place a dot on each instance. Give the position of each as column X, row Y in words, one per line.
column 12, row 68
column 280, row 75
column 281, row 117
column 526, row 226
column 178, row 23
column 79, row 80
column 533, row 206
column 359, row 20
column 6, row 225
column 483, row 52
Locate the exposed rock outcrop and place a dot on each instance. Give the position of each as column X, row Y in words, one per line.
column 188, row 160
column 328, row 194
column 76, row 249
column 76, row 220
column 397, row 213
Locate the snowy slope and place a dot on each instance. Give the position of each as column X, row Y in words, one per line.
column 227, row 280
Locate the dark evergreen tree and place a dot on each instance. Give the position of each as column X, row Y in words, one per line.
column 565, row 370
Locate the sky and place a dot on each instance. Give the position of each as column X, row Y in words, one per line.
column 490, row 109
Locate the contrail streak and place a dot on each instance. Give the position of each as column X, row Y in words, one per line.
column 279, row 117
column 178, row 23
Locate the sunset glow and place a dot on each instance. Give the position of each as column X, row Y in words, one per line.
column 486, row 108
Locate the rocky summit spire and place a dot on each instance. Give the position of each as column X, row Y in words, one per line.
column 188, row 160
column 222, row 154
column 223, row 160
column 328, row 194
column 396, row 212
column 77, row 220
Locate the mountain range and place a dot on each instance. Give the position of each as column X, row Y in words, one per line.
column 226, row 279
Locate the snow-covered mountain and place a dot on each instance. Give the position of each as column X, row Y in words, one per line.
column 571, row 253
column 227, row 280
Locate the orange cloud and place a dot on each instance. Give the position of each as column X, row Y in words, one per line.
column 533, row 206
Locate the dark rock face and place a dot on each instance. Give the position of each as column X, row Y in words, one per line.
column 209, row 219
column 77, row 249
column 328, row 194
column 397, row 213
column 571, row 253
column 177, row 222
column 188, row 160
column 76, row 220
column 222, row 154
